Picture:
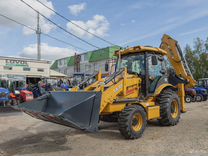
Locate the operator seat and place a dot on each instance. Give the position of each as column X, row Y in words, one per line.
column 154, row 83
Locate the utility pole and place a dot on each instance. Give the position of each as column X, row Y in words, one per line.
column 38, row 32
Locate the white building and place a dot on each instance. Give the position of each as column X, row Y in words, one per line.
column 30, row 69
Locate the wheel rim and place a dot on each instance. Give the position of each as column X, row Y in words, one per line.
column 198, row 98
column 137, row 122
column 174, row 109
column 188, row 99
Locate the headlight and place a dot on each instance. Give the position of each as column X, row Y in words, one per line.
column 204, row 91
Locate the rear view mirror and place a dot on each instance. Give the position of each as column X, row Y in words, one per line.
column 154, row 60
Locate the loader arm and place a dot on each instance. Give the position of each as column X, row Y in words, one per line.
column 89, row 87
column 176, row 58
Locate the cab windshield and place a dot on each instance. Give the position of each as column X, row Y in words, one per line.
column 203, row 83
column 134, row 63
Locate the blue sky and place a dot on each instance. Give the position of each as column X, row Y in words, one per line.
column 126, row 23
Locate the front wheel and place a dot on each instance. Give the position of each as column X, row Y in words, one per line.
column 199, row 98
column 132, row 122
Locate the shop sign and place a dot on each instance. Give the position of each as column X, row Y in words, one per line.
column 21, row 63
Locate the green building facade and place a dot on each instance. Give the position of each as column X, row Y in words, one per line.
column 89, row 62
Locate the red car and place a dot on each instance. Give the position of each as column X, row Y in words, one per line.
column 21, row 96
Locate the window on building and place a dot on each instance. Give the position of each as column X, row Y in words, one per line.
column 87, row 67
column 40, row 70
column 26, row 69
column 7, row 68
column 82, row 57
column 86, row 57
column 65, row 71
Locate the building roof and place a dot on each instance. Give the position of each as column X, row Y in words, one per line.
column 70, row 61
column 103, row 54
column 54, row 65
column 56, row 74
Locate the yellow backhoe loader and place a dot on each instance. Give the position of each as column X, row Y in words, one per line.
column 148, row 83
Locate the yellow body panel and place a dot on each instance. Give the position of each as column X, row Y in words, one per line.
column 181, row 94
column 153, row 112
column 140, row 49
column 160, row 88
column 114, row 108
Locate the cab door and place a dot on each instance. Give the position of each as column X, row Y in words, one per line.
column 156, row 72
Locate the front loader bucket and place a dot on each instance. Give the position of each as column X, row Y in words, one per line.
column 74, row 109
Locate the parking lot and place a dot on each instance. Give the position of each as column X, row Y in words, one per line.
column 23, row 135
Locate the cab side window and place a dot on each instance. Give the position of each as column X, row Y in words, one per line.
column 154, row 70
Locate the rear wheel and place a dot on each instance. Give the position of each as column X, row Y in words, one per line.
column 188, row 98
column 205, row 98
column 199, row 98
column 193, row 99
column 132, row 122
column 170, row 108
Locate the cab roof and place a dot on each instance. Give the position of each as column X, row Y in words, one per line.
column 140, row 49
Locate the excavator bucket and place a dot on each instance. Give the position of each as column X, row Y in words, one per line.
column 74, row 109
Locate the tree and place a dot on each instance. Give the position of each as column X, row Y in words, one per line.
column 197, row 58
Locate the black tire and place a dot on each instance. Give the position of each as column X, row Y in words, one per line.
column 170, row 108
column 193, row 99
column 188, row 98
column 204, row 98
column 109, row 118
column 21, row 100
column 132, row 122
column 199, row 98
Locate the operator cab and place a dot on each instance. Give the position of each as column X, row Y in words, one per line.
column 148, row 64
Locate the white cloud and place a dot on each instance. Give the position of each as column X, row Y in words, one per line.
column 17, row 10
column 98, row 25
column 77, row 8
column 47, row 52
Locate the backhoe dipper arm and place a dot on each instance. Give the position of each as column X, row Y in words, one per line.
column 176, row 58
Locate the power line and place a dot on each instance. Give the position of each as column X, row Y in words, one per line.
column 75, row 23
column 52, row 37
column 61, row 27
column 17, row 22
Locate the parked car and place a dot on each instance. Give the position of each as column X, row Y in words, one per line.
column 203, row 82
column 201, row 94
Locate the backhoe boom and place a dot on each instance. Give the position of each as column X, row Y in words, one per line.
column 176, row 58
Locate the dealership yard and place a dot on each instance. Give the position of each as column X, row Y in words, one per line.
column 23, row 135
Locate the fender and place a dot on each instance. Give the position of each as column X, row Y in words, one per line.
column 163, row 86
